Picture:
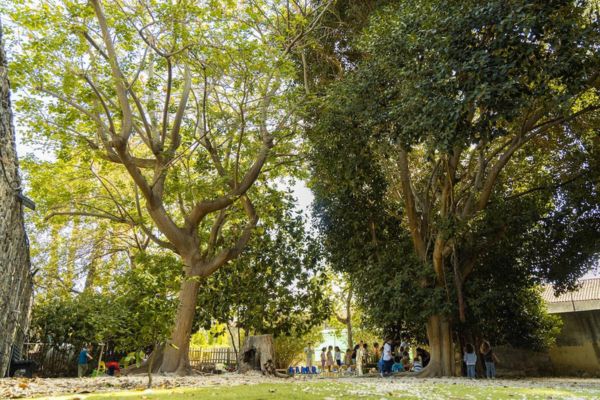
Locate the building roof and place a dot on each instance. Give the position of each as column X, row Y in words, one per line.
column 585, row 297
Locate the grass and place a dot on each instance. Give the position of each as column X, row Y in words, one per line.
column 347, row 390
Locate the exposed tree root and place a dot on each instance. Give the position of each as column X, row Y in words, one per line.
column 143, row 367
column 428, row 372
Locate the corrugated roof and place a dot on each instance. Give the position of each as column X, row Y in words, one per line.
column 588, row 289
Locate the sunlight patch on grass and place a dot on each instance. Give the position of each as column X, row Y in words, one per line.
column 343, row 390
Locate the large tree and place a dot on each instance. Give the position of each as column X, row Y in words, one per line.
column 465, row 108
column 192, row 101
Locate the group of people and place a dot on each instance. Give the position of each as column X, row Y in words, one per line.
column 394, row 357
column 489, row 358
column 390, row 358
column 111, row 362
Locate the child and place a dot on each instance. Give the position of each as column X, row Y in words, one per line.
column 397, row 366
column 489, row 357
column 348, row 358
column 417, row 364
column 309, row 352
column 354, row 354
column 365, row 354
column 329, row 358
column 470, row 358
column 338, row 356
column 323, row 358
column 406, row 360
column 376, row 352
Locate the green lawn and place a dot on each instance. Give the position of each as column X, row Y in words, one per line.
column 348, row 390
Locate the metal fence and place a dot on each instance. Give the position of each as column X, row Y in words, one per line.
column 52, row 360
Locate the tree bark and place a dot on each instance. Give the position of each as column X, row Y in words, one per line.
column 349, row 317
column 257, row 352
column 176, row 357
column 439, row 332
column 235, row 348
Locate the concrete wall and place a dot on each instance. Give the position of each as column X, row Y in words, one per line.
column 519, row 362
column 577, row 349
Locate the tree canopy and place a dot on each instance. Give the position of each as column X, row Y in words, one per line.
column 460, row 126
column 452, row 149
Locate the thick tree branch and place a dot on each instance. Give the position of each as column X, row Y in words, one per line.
column 117, row 75
column 409, row 201
column 231, row 253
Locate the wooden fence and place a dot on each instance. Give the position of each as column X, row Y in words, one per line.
column 61, row 360
column 201, row 357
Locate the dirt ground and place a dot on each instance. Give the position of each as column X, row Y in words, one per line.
column 22, row 387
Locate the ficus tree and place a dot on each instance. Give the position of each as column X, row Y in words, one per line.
column 456, row 102
column 193, row 102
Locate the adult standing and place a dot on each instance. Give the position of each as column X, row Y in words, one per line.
column 359, row 359
column 82, row 361
column 309, row 351
column 388, row 361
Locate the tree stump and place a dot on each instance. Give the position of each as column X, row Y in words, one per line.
column 257, row 354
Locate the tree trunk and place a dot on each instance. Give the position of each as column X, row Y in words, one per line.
column 257, row 352
column 439, row 332
column 349, row 331
column 151, row 361
column 235, row 348
column 155, row 359
column 176, row 358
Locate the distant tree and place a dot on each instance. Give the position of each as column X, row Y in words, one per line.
column 277, row 286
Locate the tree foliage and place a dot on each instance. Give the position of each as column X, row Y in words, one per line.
column 462, row 132
column 135, row 312
column 277, row 286
column 194, row 104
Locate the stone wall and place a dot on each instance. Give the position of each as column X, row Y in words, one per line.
column 15, row 270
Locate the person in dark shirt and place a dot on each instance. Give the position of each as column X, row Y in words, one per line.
column 489, row 358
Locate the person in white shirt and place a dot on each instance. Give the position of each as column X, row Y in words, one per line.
column 388, row 360
column 404, row 343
